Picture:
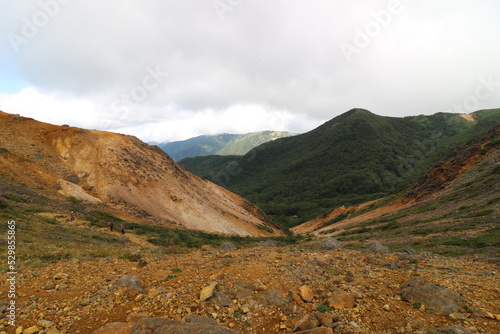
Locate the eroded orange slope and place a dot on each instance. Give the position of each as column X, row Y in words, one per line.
column 120, row 171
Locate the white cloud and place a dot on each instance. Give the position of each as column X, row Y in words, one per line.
column 264, row 58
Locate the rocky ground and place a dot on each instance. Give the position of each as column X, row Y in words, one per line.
column 262, row 289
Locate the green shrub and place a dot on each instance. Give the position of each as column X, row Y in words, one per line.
column 3, row 204
column 323, row 308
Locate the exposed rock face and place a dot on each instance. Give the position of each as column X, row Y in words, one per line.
column 452, row 166
column 121, row 171
column 431, row 295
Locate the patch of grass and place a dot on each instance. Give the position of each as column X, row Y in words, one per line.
column 15, row 198
column 426, row 208
column 356, row 231
column 323, row 308
column 389, row 226
column 99, row 218
column 133, row 257
column 265, row 228
column 489, row 146
column 48, row 220
column 3, row 204
column 332, row 230
column 4, row 151
column 416, row 304
column 494, row 200
column 481, row 213
column 451, row 252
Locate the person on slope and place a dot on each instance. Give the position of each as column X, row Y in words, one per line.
column 122, row 228
column 72, row 216
column 111, row 224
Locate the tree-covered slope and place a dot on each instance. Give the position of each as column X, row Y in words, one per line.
column 197, row 146
column 354, row 157
column 222, row 144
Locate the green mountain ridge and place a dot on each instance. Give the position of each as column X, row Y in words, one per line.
column 221, row 144
column 355, row 157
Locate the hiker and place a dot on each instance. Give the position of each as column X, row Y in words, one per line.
column 111, row 224
column 72, row 216
column 122, row 228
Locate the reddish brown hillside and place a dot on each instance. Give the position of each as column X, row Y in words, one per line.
column 121, row 172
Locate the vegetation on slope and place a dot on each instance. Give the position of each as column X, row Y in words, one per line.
column 355, row 157
column 222, row 144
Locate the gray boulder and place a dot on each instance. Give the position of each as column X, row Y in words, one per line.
column 166, row 326
column 377, row 247
column 431, row 295
column 455, row 329
column 220, row 298
column 130, row 282
column 408, row 250
column 228, row 246
column 269, row 243
column 272, row 297
column 332, row 243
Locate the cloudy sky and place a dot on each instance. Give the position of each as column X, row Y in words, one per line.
column 170, row 69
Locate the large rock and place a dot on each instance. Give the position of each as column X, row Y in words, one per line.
column 455, row 329
column 306, row 323
column 332, row 243
column 221, row 299
column 166, row 326
column 319, row 330
column 228, row 246
column 116, row 328
column 431, row 295
column 272, row 297
column 194, row 319
column 407, row 249
column 306, row 293
column 341, row 300
column 269, row 243
column 207, row 291
column 377, row 247
column 130, row 282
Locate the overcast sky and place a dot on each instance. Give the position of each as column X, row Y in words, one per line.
column 173, row 69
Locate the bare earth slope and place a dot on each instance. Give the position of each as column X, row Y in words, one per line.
column 123, row 173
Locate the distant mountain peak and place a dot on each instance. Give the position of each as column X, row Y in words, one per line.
column 219, row 144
